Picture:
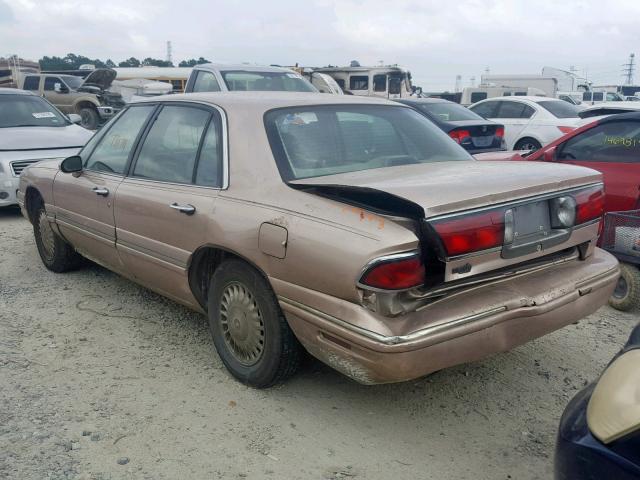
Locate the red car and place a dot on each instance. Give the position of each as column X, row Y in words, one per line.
column 610, row 145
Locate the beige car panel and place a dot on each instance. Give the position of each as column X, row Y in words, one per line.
column 314, row 249
column 614, row 408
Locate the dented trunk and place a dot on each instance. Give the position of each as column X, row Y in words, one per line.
column 504, row 213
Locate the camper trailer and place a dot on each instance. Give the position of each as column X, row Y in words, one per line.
column 386, row 82
column 471, row 95
column 11, row 68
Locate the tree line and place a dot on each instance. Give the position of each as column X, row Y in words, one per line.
column 73, row 62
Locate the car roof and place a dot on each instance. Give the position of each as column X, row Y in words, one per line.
column 615, row 105
column 14, row 91
column 620, row 116
column 415, row 101
column 264, row 101
column 530, row 98
column 224, row 67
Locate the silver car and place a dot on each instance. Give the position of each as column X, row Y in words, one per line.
column 31, row 129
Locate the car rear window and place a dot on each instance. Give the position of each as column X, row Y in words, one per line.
column 266, row 81
column 448, row 112
column 326, row 140
column 560, row 109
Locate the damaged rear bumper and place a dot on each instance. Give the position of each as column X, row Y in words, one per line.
column 464, row 327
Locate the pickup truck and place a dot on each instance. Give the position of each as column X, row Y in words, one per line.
column 86, row 97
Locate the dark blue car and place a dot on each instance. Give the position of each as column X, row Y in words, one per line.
column 599, row 436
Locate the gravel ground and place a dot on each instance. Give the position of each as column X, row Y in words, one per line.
column 102, row 379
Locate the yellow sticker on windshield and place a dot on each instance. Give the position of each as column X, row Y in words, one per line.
column 622, row 141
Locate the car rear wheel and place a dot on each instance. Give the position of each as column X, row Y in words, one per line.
column 627, row 293
column 56, row 254
column 89, row 118
column 249, row 331
column 527, row 144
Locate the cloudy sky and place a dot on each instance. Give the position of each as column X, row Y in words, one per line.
column 436, row 40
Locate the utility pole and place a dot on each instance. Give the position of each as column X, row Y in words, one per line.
column 458, row 83
column 629, row 69
column 169, row 59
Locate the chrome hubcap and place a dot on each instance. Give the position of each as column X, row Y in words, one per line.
column 621, row 288
column 46, row 235
column 242, row 325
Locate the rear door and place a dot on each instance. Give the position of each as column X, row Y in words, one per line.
column 168, row 197
column 612, row 148
column 515, row 116
column 85, row 202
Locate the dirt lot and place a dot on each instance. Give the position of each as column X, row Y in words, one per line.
column 102, row 379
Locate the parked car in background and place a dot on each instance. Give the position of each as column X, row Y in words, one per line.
column 88, row 97
column 599, row 435
column 470, row 130
column 529, row 122
column 593, row 97
column 610, row 145
column 609, row 108
column 31, row 129
column 212, row 77
column 351, row 226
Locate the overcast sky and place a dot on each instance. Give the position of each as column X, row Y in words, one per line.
column 435, row 39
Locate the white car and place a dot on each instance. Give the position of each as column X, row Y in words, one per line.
column 529, row 122
column 31, row 129
column 609, row 108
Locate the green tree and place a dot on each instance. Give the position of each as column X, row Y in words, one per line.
column 193, row 62
column 154, row 62
column 131, row 62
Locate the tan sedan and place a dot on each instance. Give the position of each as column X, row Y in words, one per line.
column 350, row 227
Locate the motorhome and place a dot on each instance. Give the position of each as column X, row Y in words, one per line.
column 549, row 85
column 386, row 82
column 11, row 68
column 471, row 95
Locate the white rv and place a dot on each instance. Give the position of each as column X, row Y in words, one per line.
column 471, row 95
column 386, row 82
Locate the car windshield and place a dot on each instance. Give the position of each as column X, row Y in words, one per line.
column 448, row 112
column 72, row 82
column 326, row 140
column 28, row 111
column 266, row 81
column 560, row 109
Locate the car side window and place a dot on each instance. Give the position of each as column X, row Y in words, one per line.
column 510, row 109
column 613, row 142
column 170, row 149
column 31, row 83
column 209, row 164
column 112, row 153
column 50, row 83
column 206, row 82
column 477, row 96
column 485, row 110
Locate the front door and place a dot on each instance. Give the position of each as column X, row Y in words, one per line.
column 85, row 202
column 165, row 205
column 58, row 93
column 612, row 148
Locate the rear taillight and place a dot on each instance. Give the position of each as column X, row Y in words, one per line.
column 460, row 135
column 589, row 204
column 566, row 129
column 471, row 233
column 499, row 132
column 395, row 274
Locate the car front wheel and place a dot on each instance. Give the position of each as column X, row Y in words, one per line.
column 250, row 333
column 89, row 118
column 527, row 144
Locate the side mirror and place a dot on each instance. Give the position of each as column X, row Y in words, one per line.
column 60, row 88
column 549, row 155
column 74, row 118
column 71, row 164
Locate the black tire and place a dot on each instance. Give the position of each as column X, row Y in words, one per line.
column 89, row 118
column 243, row 308
column 527, row 144
column 56, row 254
column 627, row 293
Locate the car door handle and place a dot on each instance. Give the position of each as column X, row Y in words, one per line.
column 101, row 191
column 186, row 209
